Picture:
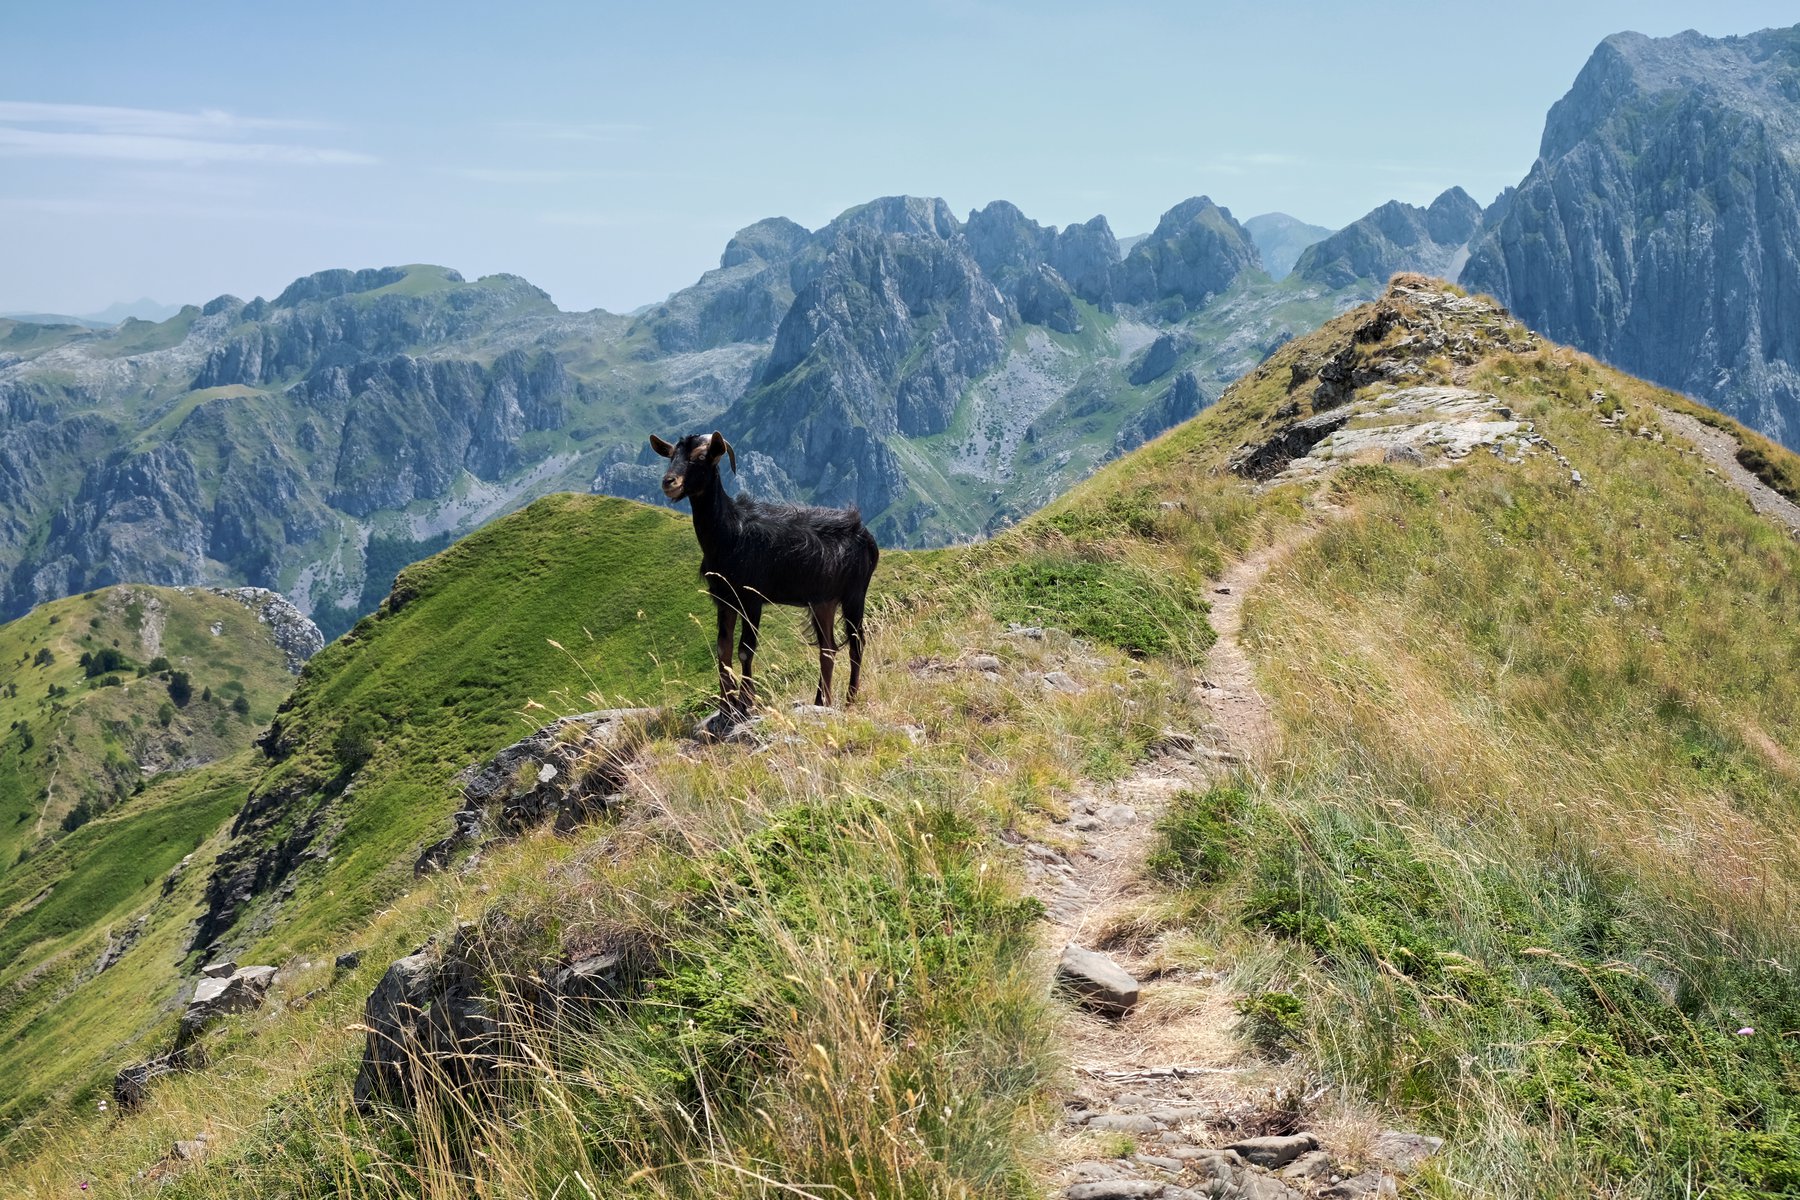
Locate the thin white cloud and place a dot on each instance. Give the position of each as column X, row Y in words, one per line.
column 144, row 135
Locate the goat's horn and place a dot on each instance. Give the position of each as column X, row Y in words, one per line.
column 729, row 452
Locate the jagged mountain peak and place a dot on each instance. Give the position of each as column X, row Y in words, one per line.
column 1756, row 74
column 1196, row 251
column 914, row 215
column 772, row 239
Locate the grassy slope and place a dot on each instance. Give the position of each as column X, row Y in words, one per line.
column 1520, row 874
column 87, row 743
column 575, row 602
column 63, row 1028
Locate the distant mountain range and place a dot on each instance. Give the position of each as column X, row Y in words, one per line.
column 946, row 375
column 113, row 314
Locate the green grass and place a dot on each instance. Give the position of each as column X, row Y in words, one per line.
column 575, row 602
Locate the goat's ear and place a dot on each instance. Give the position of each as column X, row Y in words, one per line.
column 661, row 447
column 721, row 446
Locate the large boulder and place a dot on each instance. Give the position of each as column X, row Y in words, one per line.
column 218, row 995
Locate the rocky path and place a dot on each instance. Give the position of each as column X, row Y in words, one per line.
column 1167, row 1102
column 1719, row 449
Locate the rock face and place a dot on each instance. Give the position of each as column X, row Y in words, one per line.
column 437, row 1020
column 1396, row 237
column 1657, row 230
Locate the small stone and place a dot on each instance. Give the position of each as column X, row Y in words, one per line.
column 349, row 960
column 1406, row 455
column 1086, row 822
column 190, row 1149
column 1115, row 1189
column 218, row 970
column 1034, row 632
column 1314, row 1164
column 1275, row 1152
column 1098, row 982
column 1123, row 1123
column 1118, row 814
column 1061, row 681
column 984, row 662
column 1170, row 1115
column 991, row 676
column 1174, row 741
column 1094, row 1170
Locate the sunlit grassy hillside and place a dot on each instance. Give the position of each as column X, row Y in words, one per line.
column 1517, row 871
column 160, row 690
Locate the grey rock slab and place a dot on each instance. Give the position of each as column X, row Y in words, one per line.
column 215, row 996
column 1405, row 1151
column 1098, row 983
column 1158, row 1161
column 1124, row 1123
column 1118, row 814
column 1265, row 1187
column 1369, row 1183
column 1115, row 1189
column 1061, row 681
column 1274, row 1152
column 984, row 662
column 218, row 970
column 1096, row 1170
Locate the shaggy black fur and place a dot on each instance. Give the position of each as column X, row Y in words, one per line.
column 754, row 553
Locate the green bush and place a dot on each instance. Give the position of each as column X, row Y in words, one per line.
column 1272, row 1020
column 1200, row 837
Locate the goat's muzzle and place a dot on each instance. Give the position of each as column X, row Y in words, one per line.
column 671, row 486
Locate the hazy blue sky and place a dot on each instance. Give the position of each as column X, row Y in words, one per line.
column 606, row 152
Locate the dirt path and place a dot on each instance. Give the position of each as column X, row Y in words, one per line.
column 1159, row 1093
column 1720, row 449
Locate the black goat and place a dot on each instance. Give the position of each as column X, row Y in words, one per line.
column 754, row 553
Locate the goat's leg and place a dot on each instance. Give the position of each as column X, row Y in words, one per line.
column 824, row 623
column 747, row 652
column 727, row 635
column 853, row 630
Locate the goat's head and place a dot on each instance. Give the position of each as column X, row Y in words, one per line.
column 693, row 462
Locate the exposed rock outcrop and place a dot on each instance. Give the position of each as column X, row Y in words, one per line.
column 564, row 775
